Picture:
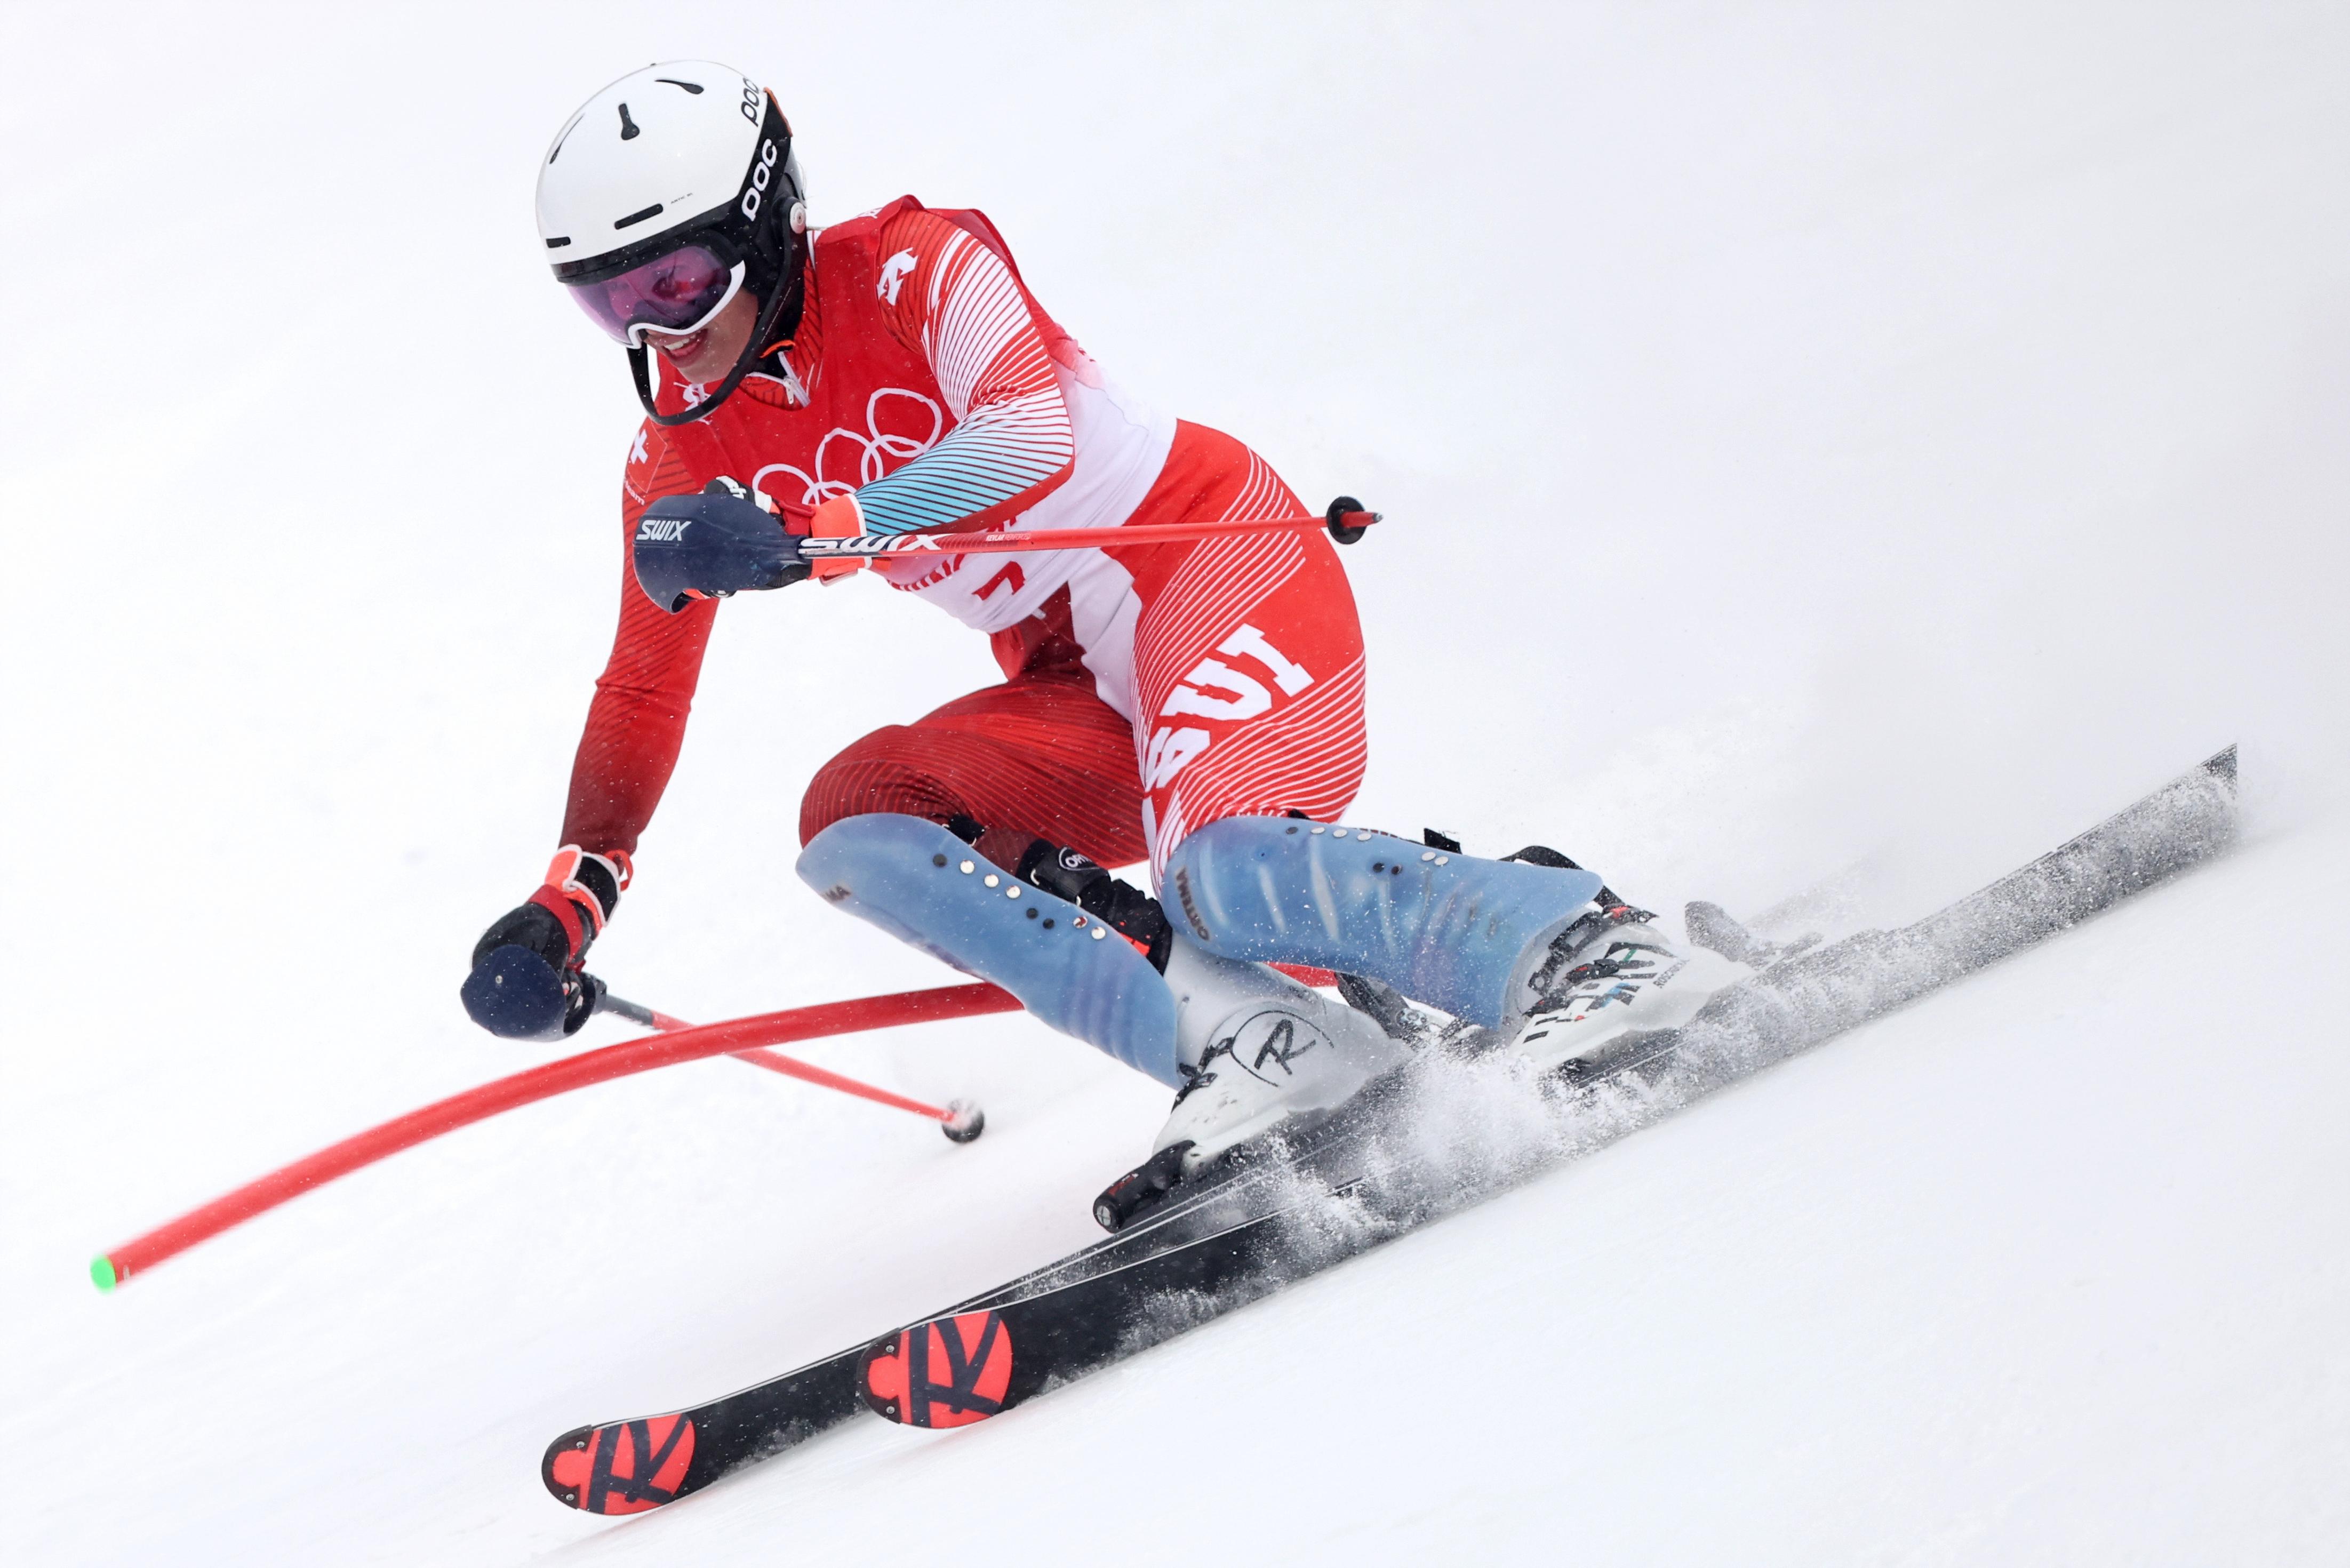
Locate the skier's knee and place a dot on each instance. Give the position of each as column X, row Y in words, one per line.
column 882, row 771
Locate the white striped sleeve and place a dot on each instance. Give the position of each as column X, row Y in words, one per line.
column 1014, row 440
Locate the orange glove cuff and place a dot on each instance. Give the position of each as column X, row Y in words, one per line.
column 838, row 518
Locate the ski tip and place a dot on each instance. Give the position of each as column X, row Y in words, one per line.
column 2223, row 764
column 103, row 1275
column 626, row 1468
column 900, row 1375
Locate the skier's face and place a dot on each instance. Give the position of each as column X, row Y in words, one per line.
column 709, row 354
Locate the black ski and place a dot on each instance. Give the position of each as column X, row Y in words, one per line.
column 1233, row 1233
column 628, row 1467
column 961, row 1367
column 973, row 1361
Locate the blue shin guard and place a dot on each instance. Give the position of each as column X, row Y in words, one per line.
column 924, row 886
column 1448, row 929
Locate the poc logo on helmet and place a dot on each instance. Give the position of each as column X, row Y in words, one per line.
column 750, row 103
column 761, row 172
column 662, row 530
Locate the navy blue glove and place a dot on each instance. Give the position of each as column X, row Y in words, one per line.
column 526, row 982
column 517, row 992
column 709, row 546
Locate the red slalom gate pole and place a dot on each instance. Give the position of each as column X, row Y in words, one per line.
column 136, row 1256
column 960, row 1119
column 1345, row 525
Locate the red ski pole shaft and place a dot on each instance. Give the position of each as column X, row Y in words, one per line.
column 870, row 546
column 111, row 1268
column 810, row 1072
column 789, row 1066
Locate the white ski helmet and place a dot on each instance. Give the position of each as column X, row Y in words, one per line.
column 667, row 193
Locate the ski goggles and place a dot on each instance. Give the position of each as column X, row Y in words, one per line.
column 676, row 293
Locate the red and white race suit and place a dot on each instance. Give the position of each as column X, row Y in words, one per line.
column 1149, row 691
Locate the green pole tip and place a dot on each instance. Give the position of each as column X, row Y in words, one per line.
column 101, row 1272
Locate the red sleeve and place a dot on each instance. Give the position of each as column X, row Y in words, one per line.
column 637, row 723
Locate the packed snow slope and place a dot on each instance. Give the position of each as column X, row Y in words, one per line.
column 1816, row 437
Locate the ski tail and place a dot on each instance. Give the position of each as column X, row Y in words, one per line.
column 625, row 1467
column 629, row 1467
column 948, row 1372
column 968, row 1364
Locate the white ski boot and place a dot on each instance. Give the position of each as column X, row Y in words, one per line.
column 1258, row 1049
column 1612, row 973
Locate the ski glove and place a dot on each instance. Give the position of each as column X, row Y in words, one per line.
column 527, row 982
column 710, row 545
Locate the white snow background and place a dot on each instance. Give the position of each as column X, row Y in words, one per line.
column 1810, row 432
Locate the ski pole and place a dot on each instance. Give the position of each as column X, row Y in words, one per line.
column 961, row 1120
column 637, row 1013
column 118, row 1264
column 1345, row 520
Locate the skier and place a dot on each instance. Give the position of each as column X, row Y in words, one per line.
column 1197, row 706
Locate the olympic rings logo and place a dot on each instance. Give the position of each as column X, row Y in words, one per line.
column 878, row 451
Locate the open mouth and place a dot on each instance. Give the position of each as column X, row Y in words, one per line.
column 678, row 351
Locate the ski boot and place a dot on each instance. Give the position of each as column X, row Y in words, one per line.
column 1610, row 974
column 1261, row 1054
